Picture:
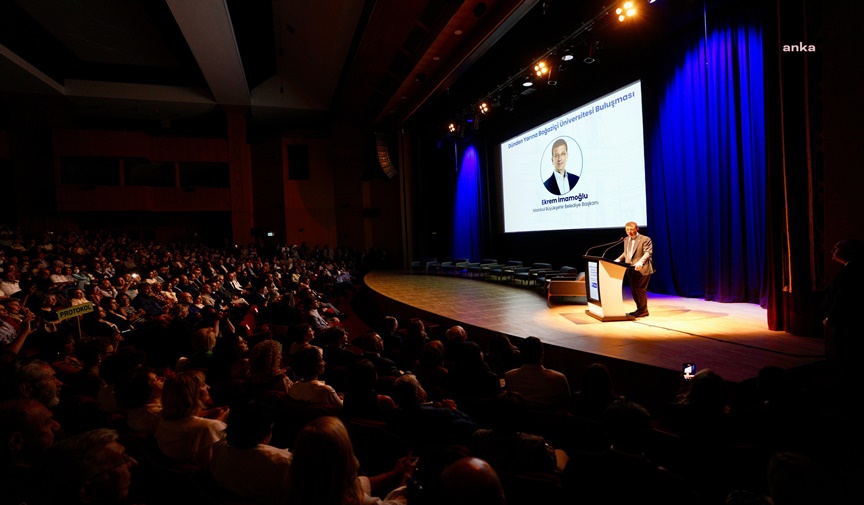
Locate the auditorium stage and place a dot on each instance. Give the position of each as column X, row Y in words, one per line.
column 730, row 338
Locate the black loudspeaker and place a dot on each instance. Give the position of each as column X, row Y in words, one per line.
column 384, row 155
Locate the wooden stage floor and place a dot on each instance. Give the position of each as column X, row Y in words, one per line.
column 730, row 338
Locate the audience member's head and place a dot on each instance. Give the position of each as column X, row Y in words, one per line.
column 35, row 379
column 407, row 392
column 471, row 481
column 432, row 354
column 140, row 388
column 92, row 350
column 500, row 344
column 532, row 351
column 265, row 360
column 308, row 363
column 183, row 395
column 251, row 424
column 91, row 467
column 122, row 363
column 324, row 468
column 364, row 376
column 628, row 425
column 389, row 325
column 27, row 429
column 303, row 332
column 334, row 336
column 370, row 342
column 456, row 334
column 707, row 391
column 597, row 381
column 469, row 357
column 204, row 340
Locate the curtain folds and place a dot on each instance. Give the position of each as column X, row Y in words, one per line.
column 707, row 167
column 468, row 207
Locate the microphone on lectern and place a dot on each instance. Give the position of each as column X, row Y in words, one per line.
column 613, row 245
column 610, row 244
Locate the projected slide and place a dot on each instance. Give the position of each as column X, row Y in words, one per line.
column 584, row 169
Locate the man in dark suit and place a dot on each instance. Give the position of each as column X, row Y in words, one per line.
column 637, row 253
column 561, row 181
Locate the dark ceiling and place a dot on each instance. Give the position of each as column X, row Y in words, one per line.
column 177, row 64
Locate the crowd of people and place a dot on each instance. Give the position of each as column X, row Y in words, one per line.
column 234, row 368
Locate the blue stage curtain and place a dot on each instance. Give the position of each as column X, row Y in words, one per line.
column 468, row 207
column 707, row 168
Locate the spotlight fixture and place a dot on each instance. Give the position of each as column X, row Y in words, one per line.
column 483, row 108
column 625, row 11
column 451, row 127
column 567, row 55
column 541, row 69
column 527, row 82
column 589, row 57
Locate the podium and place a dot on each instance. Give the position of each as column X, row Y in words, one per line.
column 604, row 282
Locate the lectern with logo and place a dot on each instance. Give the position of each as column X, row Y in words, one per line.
column 604, row 285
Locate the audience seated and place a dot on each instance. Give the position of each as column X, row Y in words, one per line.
column 188, row 430
column 415, row 339
column 245, row 464
column 373, row 345
column 596, row 394
column 308, row 364
column 502, row 356
column 430, row 370
column 471, row 379
column 417, row 419
column 471, row 481
column 34, row 379
column 780, row 417
column 702, row 412
column 362, row 399
column 91, row 467
column 266, row 372
column 27, row 430
column 303, row 335
column 325, row 470
column 139, row 395
column 534, row 386
column 622, row 474
column 507, row 448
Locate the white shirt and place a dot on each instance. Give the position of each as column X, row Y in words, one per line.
column 261, row 474
column 563, row 182
column 316, row 393
column 190, row 439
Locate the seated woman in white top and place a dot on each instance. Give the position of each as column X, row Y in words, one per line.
column 188, row 431
column 308, row 364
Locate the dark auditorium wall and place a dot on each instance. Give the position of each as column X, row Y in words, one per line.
column 344, row 201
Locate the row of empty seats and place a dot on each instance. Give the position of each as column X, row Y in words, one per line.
column 564, row 284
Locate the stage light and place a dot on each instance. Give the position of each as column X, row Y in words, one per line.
column 589, row 56
column 541, row 69
column 568, row 55
column 483, row 108
column 451, row 127
column 625, row 11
